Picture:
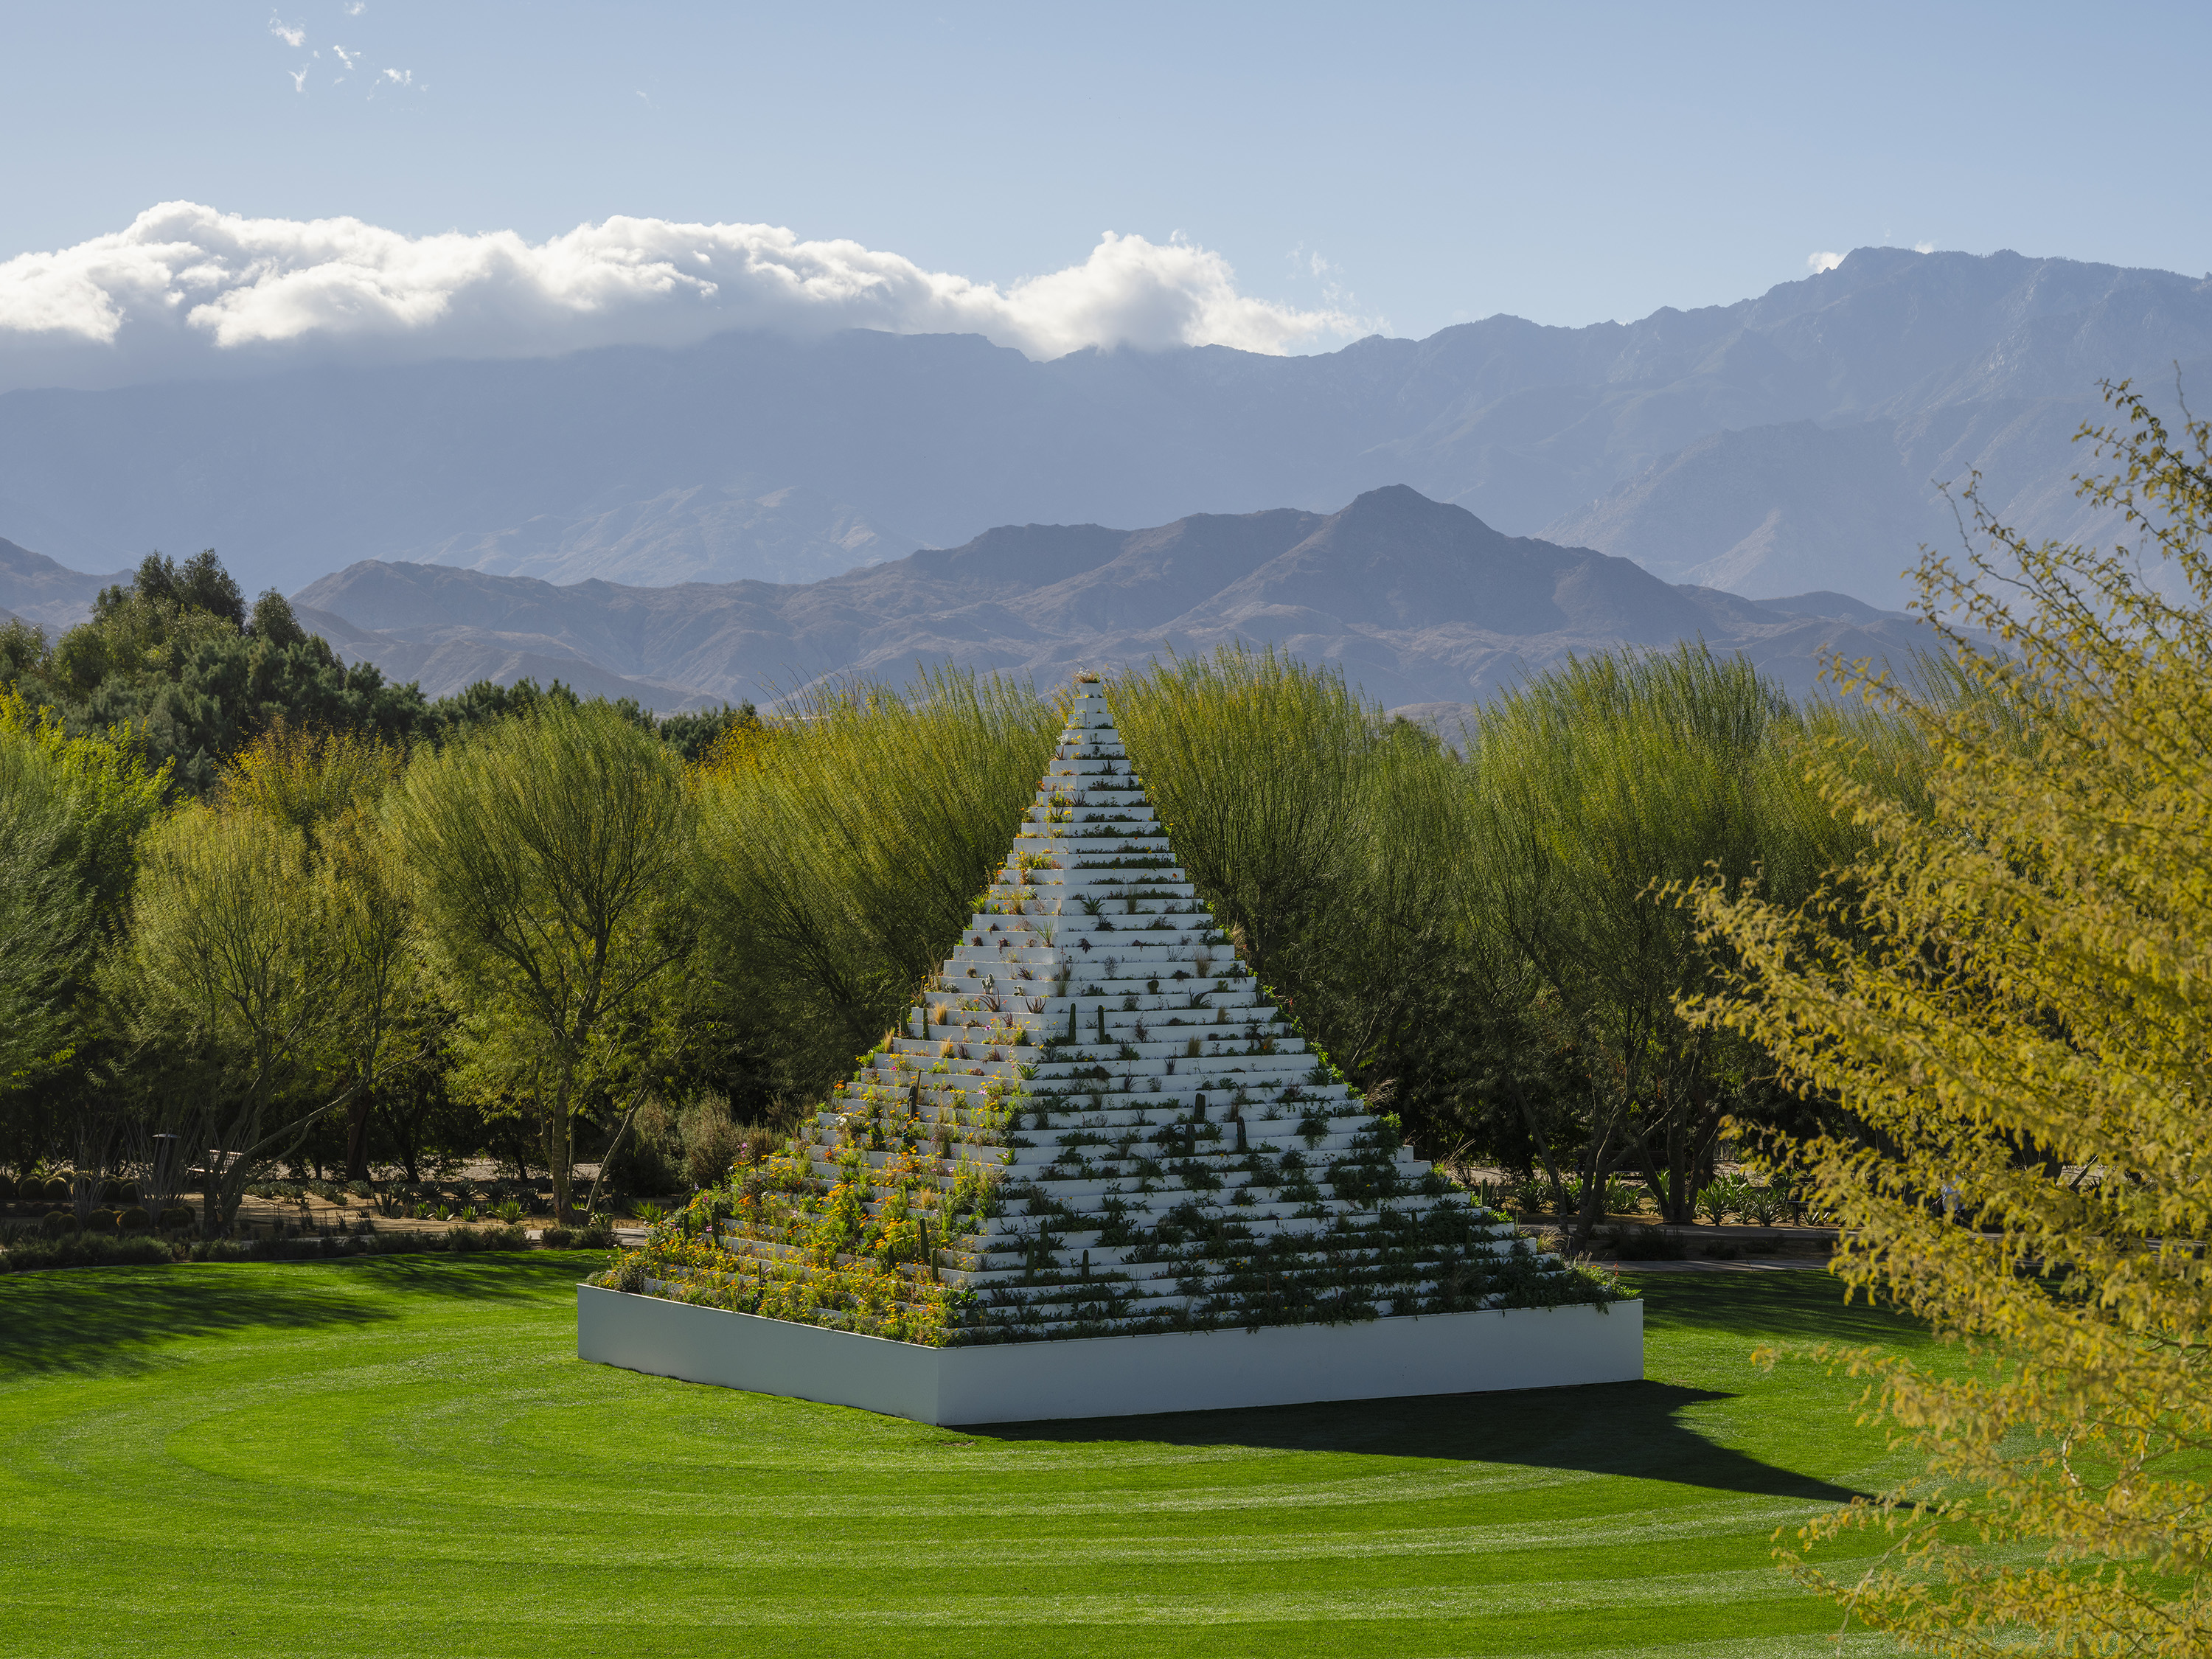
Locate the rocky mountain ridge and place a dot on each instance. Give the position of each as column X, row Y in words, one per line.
column 1779, row 443
column 1420, row 603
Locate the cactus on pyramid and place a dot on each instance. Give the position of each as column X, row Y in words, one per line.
column 1094, row 1122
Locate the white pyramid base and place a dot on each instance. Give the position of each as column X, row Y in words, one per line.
column 1115, row 1376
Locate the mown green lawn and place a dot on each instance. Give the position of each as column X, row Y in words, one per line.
column 402, row 1456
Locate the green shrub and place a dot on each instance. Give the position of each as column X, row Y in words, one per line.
column 711, row 1140
column 136, row 1220
column 57, row 1223
column 627, row 1273
column 86, row 1250
column 7, row 1189
column 1719, row 1199
column 100, row 1221
column 1646, row 1243
column 557, row 1238
column 177, row 1218
column 598, row 1237
column 651, row 1156
column 57, row 1189
column 1763, row 1204
column 486, row 1238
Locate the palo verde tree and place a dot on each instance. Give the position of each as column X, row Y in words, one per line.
column 841, row 850
column 1591, row 786
column 330, row 787
column 2009, row 987
column 1326, row 836
column 548, row 854
column 248, row 955
column 71, row 812
column 1257, row 765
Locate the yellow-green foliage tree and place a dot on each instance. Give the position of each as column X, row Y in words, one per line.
column 71, row 810
column 841, row 853
column 267, row 939
column 2013, row 983
column 1592, row 783
column 549, row 855
column 331, row 787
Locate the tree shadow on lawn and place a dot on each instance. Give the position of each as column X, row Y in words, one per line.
column 1631, row 1430
column 107, row 1320
column 1771, row 1307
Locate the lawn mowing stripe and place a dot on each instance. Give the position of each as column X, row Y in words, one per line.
column 358, row 1461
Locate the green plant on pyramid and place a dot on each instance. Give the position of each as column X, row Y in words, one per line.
column 1094, row 1122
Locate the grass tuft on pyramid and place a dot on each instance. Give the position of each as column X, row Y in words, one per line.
column 1094, row 1122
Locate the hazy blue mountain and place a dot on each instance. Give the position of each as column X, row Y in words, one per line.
column 41, row 591
column 1772, row 510
column 1420, row 603
column 1781, row 443
column 704, row 533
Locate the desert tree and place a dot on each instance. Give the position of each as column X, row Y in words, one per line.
column 1325, row 835
column 1257, row 763
column 246, row 949
column 1593, row 785
column 71, row 814
column 549, row 856
column 2008, row 987
column 330, row 787
column 842, row 849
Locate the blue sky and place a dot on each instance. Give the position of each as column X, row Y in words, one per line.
column 1402, row 168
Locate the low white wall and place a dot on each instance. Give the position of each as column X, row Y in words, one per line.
column 1115, row 1376
column 767, row 1356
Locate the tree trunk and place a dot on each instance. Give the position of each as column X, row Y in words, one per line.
column 357, row 1116
column 592, row 1203
column 1543, row 1143
column 556, row 1151
column 1666, row 1187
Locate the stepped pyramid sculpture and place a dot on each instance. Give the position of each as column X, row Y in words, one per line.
column 1097, row 1123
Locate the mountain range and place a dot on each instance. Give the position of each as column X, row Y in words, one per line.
column 1782, row 443
column 1424, row 607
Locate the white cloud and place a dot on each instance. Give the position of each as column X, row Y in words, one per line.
column 298, row 80
column 399, row 77
column 1818, row 263
column 349, row 58
column 356, row 8
column 188, row 290
column 1924, row 247
column 291, row 36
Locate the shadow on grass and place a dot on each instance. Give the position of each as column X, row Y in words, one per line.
column 1633, row 1430
column 519, row 1276
column 1773, row 1307
column 111, row 1319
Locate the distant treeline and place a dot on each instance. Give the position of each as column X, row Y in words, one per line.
column 275, row 906
column 176, row 656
